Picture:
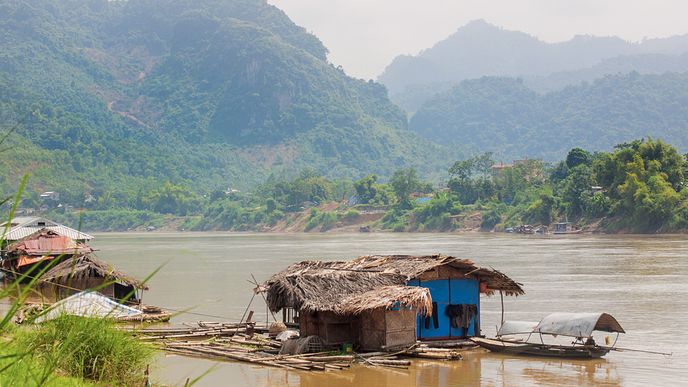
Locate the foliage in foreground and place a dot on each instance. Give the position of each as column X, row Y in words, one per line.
column 73, row 351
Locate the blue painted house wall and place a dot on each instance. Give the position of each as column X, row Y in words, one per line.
column 445, row 292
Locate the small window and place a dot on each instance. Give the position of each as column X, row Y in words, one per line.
column 41, row 224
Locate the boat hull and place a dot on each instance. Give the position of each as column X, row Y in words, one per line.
column 533, row 349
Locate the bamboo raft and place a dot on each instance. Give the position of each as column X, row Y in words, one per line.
column 245, row 342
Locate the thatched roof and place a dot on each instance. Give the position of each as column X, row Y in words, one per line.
column 323, row 290
column 414, row 297
column 319, row 286
column 87, row 266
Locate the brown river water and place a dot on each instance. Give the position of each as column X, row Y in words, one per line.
column 641, row 280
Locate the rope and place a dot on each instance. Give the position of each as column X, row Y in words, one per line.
column 115, row 299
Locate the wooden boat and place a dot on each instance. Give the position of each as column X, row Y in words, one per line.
column 577, row 325
column 546, row 350
column 565, row 228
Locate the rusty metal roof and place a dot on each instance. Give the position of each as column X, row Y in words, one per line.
column 48, row 242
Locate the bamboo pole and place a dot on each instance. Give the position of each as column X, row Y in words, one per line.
column 501, row 296
column 391, row 362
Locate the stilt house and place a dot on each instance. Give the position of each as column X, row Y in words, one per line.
column 65, row 265
column 376, row 302
column 79, row 273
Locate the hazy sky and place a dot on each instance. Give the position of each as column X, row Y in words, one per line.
column 365, row 35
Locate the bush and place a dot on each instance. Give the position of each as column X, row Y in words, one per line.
column 350, row 215
column 491, row 219
column 325, row 220
column 88, row 348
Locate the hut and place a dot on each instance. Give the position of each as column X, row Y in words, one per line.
column 41, row 246
column 66, row 266
column 84, row 272
column 21, row 227
column 383, row 301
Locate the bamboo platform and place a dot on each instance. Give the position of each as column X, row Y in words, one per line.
column 245, row 342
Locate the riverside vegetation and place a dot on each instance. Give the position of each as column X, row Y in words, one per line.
column 638, row 187
column 72, row 351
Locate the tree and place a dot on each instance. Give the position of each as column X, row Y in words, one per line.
column 271, row 205
column 172, row 199
column 577, row 184
column 462, row 170
column 576, row 157
column 647, row 196
column 366, row 188
column 404, row 182
column 541, row 210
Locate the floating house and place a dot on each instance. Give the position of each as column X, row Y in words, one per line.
column 65, row 263
column 380, row 302
column 41, row 246
column 22, row 227
column 83, row 272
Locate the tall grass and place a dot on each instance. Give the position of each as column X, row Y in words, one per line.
column 88, row 348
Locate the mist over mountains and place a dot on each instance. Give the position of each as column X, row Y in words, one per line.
column 504, row 116
column 481, row 49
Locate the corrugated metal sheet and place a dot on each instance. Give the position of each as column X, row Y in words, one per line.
column 26, row 226
column 22, row 232
column 30, row 260
column 47, row 242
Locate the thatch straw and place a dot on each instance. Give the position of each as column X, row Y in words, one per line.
column 87, row 266
column 414, row 297
column 323, row 286
column 323, row 290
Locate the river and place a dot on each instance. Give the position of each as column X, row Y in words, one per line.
column 641, row 280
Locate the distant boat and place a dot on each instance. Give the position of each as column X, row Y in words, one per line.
column 577, row 325
column 565, row 228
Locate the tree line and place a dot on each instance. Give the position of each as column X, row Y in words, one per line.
column 639, row 186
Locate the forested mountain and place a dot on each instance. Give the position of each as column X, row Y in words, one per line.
column 113, row 97
column 504, row 116
column 625, row 64
column 480, row 49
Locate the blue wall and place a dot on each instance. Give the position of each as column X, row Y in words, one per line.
column 443, row 293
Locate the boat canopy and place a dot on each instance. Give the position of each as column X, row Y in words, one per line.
column 88, row 304
column 516, row 327
column 578, row 324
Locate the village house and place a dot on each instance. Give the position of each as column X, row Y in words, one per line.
column 34, row 244
column 381, row 302
column 21, row 227
column 498, row 169
column 83, row 272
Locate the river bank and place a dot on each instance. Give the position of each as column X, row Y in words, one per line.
column 332, row 218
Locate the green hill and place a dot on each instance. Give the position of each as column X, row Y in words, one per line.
column 113, row 97
column 504, row 116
